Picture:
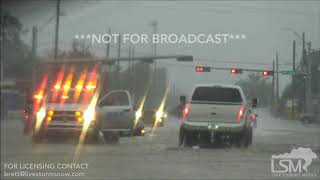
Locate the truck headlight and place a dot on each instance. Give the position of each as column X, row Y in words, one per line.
column 138, row 114
column 41, row 114
column 159, row 114
column 165, row 115
column 89, row 115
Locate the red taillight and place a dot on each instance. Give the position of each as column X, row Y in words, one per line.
column 241, row 113
column 185, row 111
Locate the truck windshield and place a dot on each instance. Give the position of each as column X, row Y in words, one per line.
column 217, row 94
column 115, row 99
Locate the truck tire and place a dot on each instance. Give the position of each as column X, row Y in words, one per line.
column 306, row 120
column 247, row 137
column 204, row 140
column 238, row 140
column 92, row 138
column 161, row 124
column 137, row 132
column 111, row 137
column 186, row 138
column 37, row 137
column 181, row 134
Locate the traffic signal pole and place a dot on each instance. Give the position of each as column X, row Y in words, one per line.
column 277, row 71
column 293, row 79
column 272, row 103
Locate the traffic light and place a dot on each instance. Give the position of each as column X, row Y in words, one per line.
column 267, row 73
column 202, row 69
column 235, row 71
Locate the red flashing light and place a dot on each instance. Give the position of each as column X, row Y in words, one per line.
column 65, row 97
column 66, row 87
column 57, row 87
column 90, row 87
column 38, row 96
column 79, row 87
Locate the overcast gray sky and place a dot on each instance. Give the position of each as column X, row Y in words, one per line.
column 263, row 23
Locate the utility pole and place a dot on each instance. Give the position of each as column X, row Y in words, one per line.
column 1, row 39
column 154, row 24
column 56, row 42
column 272, row 99
column 119, row 51
column 305, row 70
column 129, row 69
column 132, row 70
column 107, row 72
column 293, row 79
column 277, row 69
column 34, row 54
column 108, row 45
column 309, row 82
column 118, row 62
column 34, row 42
column 129, row 62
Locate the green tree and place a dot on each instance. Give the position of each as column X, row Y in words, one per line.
column 256, row 86
column 16, row 57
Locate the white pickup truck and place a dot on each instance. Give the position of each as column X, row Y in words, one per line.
column 115, row 113
column 216, row 112
column 64, row 114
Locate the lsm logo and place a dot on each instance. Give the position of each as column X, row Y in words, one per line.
column 293, row 164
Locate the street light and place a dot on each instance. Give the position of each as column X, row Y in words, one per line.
column 293, row 31
column 300, row 38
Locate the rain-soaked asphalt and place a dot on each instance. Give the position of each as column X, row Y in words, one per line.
column 157, row 156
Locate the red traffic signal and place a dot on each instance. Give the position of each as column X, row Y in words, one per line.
column 202, row 69
column 267, row 73
column 235, row 71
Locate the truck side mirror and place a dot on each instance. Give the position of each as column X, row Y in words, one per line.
column 183, row 100
column 254, row 102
